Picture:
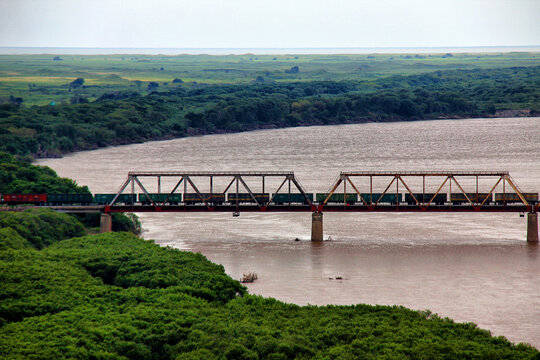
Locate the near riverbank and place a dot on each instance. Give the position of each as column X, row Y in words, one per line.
column 116, row 296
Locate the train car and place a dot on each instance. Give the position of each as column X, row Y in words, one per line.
column 246, row 197
column 193, row 198
column 280, row 199
column 25, row 198
column 440, row 199
column 386, row 198
column 105, row 199
column 173, row 199
column 57, row 199
column 337, row 198
column 509, row 198
column 459, row 198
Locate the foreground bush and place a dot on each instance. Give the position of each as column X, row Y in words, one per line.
column 115, row 296
column 37, row 228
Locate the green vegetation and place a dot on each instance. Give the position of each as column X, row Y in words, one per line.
column 18, row 176
column 116, row 296
column 124, row 118
column 39, row 79
column 37, row 228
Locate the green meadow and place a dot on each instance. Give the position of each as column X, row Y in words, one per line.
column 39, row 79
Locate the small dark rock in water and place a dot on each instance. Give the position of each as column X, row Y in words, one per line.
column 297, row 239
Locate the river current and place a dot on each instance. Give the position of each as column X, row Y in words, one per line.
column 469, row 267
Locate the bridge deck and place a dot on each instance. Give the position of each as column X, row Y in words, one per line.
column 519, row 208
column 326, row 208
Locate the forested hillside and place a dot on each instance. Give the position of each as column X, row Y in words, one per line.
column 127, row 117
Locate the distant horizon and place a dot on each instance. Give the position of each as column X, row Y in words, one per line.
column 45, row 50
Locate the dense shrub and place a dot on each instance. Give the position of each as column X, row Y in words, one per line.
column 37, row 228
column 19, row 176
column 116, row 296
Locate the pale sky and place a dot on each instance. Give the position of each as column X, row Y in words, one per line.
column 268, row 24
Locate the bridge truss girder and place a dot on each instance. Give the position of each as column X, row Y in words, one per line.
column 187, row 178
column 449, row 177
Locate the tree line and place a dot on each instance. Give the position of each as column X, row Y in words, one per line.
column 127, row 117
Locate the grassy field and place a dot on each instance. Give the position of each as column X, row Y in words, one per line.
column 38, row 79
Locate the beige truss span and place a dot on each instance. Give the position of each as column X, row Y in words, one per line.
column 445, row 176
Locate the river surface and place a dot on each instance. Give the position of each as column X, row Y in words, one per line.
column 469, row 267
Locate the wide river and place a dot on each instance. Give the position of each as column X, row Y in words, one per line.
column 472, row 268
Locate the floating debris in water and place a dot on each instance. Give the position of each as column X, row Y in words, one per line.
column 249, row 277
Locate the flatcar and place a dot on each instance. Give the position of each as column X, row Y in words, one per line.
column 67, row 199
column 459, row 198
column 105, row 199
column 337, row 198
column 294, row 198
column 193, row 198
column 439, row 199
column 510, row 198
column 25, row 199
column 173, row 199
column 379, row 198
column 246, row 197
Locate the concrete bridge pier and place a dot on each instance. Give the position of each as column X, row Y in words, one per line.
column 105, row 223
column 532, row 227
column 317, row 226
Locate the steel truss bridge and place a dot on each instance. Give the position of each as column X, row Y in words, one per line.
column 357, row 191
column 374, row 201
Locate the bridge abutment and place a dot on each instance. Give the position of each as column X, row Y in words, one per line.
column 105, row 223
column 317, row 226
column 532, row 227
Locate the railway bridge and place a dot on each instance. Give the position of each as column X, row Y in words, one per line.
column 355, row 191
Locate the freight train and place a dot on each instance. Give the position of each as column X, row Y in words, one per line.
column 276, row 199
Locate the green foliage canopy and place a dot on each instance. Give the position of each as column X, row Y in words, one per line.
column 126, row 117
column 116, row 296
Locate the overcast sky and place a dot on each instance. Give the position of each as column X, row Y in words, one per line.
column 268, row 24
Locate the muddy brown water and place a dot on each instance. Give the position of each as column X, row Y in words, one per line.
column 470, row 267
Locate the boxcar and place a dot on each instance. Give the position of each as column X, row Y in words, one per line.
column 280, row 199
column 459, row 198
column 514, row 198
column 174, row 199
column 193, row 198
column 25, row 198
column 105, row 199
column 246, row 197
column 386, row 198
column 69, row 198
column 440, row 199
column 337, row 198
